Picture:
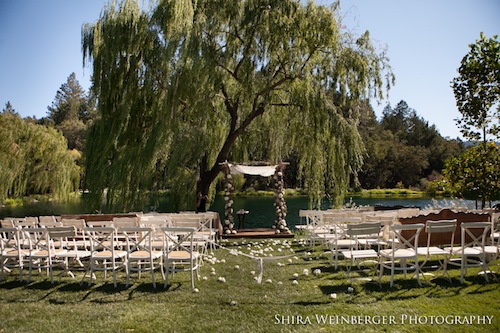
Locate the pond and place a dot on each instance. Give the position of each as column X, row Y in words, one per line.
column 261, row 208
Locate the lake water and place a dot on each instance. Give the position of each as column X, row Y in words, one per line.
column 261, row 208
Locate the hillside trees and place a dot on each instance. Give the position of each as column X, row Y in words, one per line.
column 188, row 85
column 402, row 149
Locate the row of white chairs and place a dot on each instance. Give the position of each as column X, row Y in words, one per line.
column 387, row 244
column 31, row 236
column 139, row 249
column 406, row 254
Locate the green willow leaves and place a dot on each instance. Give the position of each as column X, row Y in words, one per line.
column 185, row 85
column 34, row 159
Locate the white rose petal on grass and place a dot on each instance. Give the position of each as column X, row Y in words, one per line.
column 305, row 271
column 350, row 289
column 196, row 290
column 252, row 272
column 204, row 278
column 233, row 303
column 295, row 282
column 223, row 261
column 333, row 295
column 279, row 283
column 269, row 281
column 317, row 272
column 221, row 279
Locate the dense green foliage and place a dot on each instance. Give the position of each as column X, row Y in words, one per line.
column 402, row 149
column 187, row 85
column 71, row 112
column 476, row 173
column 477, row 90
column 34, row 159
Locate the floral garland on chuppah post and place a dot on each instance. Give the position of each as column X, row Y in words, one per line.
column 279, row 201
column 228, row 227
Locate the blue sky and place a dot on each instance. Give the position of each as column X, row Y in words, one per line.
column 40, row 46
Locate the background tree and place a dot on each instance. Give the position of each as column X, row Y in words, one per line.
column 71, row 111
column 403, row 150
column 191, row 84
column 34, row 159
column 476, row 173
column 477, row 90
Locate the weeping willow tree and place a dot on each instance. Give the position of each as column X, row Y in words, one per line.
column 34, row 159
column 185, row 85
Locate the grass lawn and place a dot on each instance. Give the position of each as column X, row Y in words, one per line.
column 240, row 304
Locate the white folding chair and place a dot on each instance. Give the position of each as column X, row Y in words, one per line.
column 338, row 239
column 63, row 240
column 141, row 257
column 471, row 252
column 80, row 240
column 402, row 256
column 43, row 252
column 11, row 255
column 179, row 252
column 362, row 233
column 104, row 256
column 441, row 227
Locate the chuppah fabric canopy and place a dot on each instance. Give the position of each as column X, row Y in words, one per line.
column 254, row 170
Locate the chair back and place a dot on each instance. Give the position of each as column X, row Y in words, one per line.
column 60, row 237
column 405, row 236
column 441, row 226
column 178, row 239
column 138, row 239
column 101, row 239
column 9, row 239
column 474, row 234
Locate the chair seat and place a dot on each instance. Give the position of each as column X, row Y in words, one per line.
column 181, row 255
column 45, row 253
column 399, row 254
column 433, row 250
column 468, row 251
column 345, row 243
column 360, row 254
column 143, row 255
column 76, row 254
column 108, row 254
column 15, row 253
column 491, row 249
